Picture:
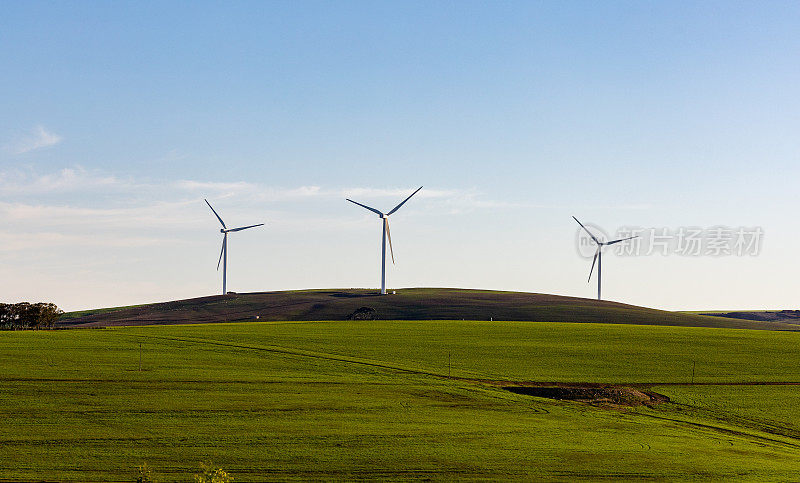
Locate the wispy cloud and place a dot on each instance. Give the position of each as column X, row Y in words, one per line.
column 139, row 215
column 253, row 191
column 80, row 199
column 214, row 187
column 395, row 193
column 67, row 179
column 272, row 193
column 88, row 182
column 11, row 242
column 38, row 138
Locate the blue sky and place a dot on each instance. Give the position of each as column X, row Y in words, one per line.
column 119, row 118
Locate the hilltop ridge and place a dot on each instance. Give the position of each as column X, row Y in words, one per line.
column 406, row 304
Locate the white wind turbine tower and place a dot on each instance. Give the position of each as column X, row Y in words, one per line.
column 598, row 255
column 386, row 233
column 223, row 255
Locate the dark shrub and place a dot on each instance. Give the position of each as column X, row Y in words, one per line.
column 363, row 313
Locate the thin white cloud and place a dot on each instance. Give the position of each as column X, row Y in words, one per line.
column 94, row 201
column 88, row 182
column 214, row 187
column 12, row 242
column 151, row 215
column 395, row 193
column 471, row 200
column 67, row 179
column 269, row 193
column 251, row 191
column 304, row 191
column 38, row 138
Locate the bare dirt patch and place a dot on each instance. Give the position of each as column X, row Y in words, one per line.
column 603, row 396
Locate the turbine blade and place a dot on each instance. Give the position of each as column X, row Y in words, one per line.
column 587, row 231
column 365, row 206
column 593, row 262
column 389, row 236
column 622, row 239
column 404, row 202
column 224, row 242
column 244, row 227
column 215, row 212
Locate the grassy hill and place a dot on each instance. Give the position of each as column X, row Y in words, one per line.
column 407, row 304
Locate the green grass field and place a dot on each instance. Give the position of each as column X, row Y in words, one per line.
column 371, row 399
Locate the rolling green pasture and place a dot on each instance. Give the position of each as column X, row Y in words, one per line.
column 371, row 399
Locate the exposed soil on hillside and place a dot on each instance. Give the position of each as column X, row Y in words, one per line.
column 603, row 396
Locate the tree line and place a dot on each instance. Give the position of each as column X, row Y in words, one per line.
column 25, row 315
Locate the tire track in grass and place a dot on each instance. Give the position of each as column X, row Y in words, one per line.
column 303, row 353
column 479, row 377
column 723, row 416
column 753, row 438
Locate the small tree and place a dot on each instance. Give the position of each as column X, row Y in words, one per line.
column 209, row 474
column 145, row 474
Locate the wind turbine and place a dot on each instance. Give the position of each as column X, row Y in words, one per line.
column 598, row 255
column 386, row 233
column 223, row 255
